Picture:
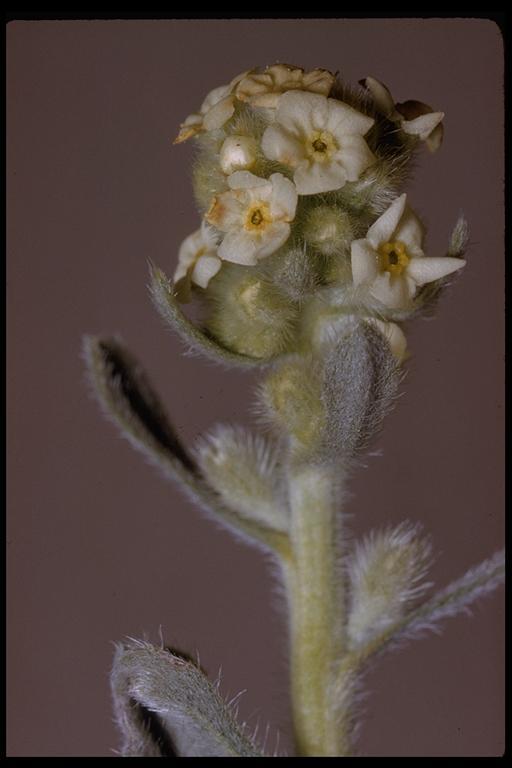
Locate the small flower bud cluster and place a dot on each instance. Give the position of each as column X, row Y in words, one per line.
column 297, row 178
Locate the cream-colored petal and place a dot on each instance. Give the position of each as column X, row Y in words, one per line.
column 394, row 291
column 431, row 268
column 214, row 97
column 219, row 114
column 318, row 81
column 355, row 156
column 423, row 125
column 312, row 178
column 278, row 144
column 239, row 247
column 192, row 125
column 435, row 139
column 365, row 262
column 205, row 268
column 189, row 249
column 246, row 180
column 382, row 98
column 238, row 79
column 283, row 200
column 300, row 112
column 238, row 152
column 393, row 335
column 274, row 237
column 249, row 88
column 226, row 211
column 284, row 76
column 382, row 230
column 411, row 232
column 180, row 272
column 344, row 120
column 209, row 237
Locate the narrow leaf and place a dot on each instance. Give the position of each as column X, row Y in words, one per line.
column 386, row 573
column 128, row 399
column 244, row 470
column 360, row 383
column 165, row 707
column 456, row 598
column 197, row 341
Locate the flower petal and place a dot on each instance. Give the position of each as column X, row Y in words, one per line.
column 431, row 268
column 205, row 268
column 382, row 97
column 214, row 97
column 382, row 230
column 365, row 262
column 435, row 139
column 393, row 291
column 355, row 156
column 423, row 125
column 311, row 178
column 410, row 231
column 274, row 237
column 239, row 247
column 318, row 81
column 300, row 112
column 344, row 120
column 279, row 144
column 219, row 114
column 283, row 200
column 246, row 180
column 225, row 212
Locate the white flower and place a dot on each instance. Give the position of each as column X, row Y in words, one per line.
column 238, row 153
column 413, row 117
column 322, row 139
column 215, row 110
column 255, row 215
column 265, row 88
column 197, row 261
column 390, row 261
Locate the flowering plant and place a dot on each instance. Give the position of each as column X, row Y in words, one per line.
column 305, row 263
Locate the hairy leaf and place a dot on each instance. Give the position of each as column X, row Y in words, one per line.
column 244, row 469
column 127, row 397
column 165, row 707
column 196, row 340
column 386, row 573
column 453, row 599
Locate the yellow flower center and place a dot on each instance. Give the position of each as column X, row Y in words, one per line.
column 393, row 257
column 257, row 217
column 320, row 146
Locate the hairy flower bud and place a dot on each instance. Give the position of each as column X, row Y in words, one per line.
column 328, row 229
column 248, row 314
column 238, row 153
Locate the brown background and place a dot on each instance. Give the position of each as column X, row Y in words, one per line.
column 99, row 546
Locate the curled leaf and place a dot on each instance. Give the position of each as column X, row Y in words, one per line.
column 360, row 383
column 450, row 601
column 386, row 572
column 127, row 397
column 165, row 707
column 197, row 341
column 244, row 470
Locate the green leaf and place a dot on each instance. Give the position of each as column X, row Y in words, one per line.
column 128, row 399
column 453, row 599
column 166, row 707
column 197, row 341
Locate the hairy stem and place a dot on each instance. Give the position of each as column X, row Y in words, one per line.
column 315, row 595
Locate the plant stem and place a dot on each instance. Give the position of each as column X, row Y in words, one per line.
column 315, row 589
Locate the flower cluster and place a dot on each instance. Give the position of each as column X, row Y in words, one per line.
column 297, row 177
